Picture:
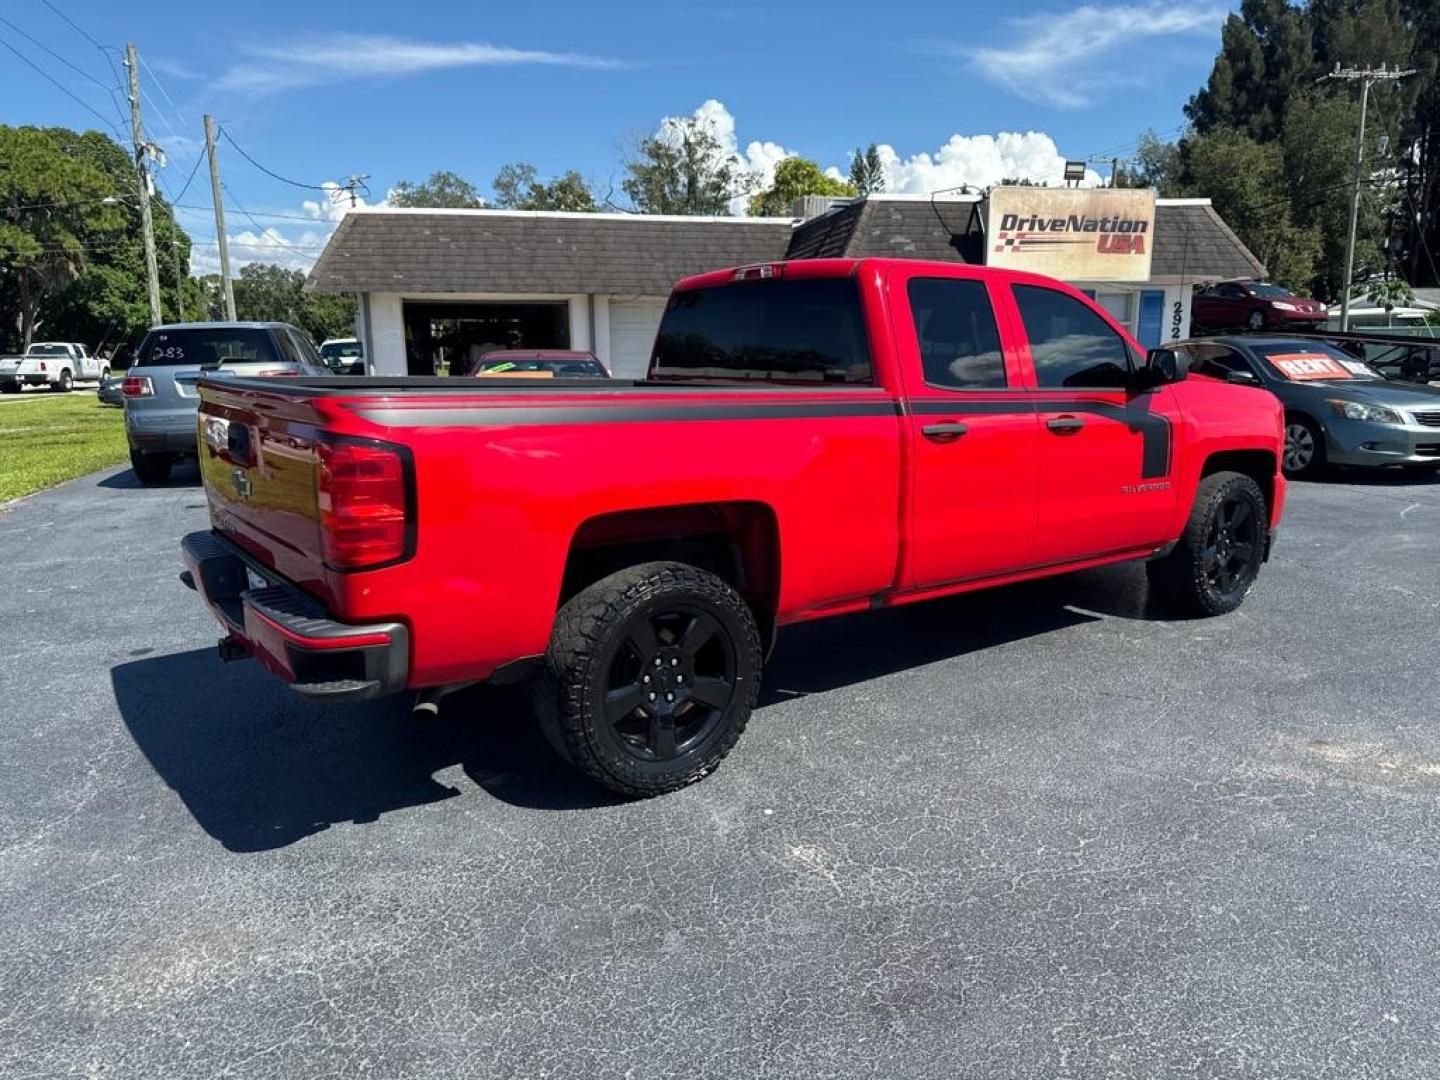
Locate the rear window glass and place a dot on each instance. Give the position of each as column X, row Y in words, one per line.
column 206, row 347
column 339, row 348
column 49, row 350
column 564, row 369
column 802, row 330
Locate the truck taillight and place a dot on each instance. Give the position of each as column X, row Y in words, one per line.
column 43, row 368
column 137, row 386
column 366, row 514
column 277, row 373
column 759, row 272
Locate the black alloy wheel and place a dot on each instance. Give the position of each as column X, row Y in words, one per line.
column 651, row 677
column 1232, row 546
column 670, row 682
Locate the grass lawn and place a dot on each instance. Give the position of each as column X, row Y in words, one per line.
column 57, row 438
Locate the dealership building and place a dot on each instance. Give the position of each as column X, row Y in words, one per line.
column 446, row 283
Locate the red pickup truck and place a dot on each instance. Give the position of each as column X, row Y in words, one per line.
column 814, row 437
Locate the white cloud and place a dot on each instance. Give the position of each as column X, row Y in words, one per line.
column 1070, row 59
column 345, row 57
column 977, row 160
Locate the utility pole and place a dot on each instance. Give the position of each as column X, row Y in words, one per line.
column 1367, row 77
column 226, row 286
column 142, row 173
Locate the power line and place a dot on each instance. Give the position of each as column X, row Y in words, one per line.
column 179, row 114
column 73, row 25
column 1405, row 191
column 263, row 214
column 265, row 231
column 42, row 46
column 193, row 170
column 225, row 133
column 63, row 88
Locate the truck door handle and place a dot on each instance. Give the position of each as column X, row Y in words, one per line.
column 946, row 431
column 1065, row 425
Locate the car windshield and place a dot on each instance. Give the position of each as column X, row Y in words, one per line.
column 560, row 367
column 207, row 347
column 334, row 349
column 1311, row 361
column 1270, row 292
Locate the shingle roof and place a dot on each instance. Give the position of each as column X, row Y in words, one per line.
column 512, row 252
column 486, row 251
column 1190, row 237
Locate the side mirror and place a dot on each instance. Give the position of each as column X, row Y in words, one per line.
column 1242, row 378
column 1162, row 367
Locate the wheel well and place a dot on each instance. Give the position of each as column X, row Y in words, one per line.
column 738, row 542
column 1259, row 465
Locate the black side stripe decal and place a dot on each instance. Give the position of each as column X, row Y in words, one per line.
column 1154, row 430
column 496, row 416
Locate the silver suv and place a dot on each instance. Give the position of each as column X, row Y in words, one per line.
column 161, row 398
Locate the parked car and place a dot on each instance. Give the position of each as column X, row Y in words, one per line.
column 1338, row 409
column 160, row 387
column 540, row 364
column 1254, row 305
column 57, row 364
column 815, row 437
column 343, row 356
column 112, row 390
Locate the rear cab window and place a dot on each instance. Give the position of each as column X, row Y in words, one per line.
column 206, row 347
column 789, row 330
column 955, row 330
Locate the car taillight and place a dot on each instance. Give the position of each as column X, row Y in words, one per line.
column 364, row 504
column 137, row 386
column 278, row 373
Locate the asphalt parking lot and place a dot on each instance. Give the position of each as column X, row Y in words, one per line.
column 1038, row 833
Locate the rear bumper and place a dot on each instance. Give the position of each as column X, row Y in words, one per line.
column 153, row 430
column 289, row 632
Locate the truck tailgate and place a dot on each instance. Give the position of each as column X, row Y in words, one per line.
column 259, row 460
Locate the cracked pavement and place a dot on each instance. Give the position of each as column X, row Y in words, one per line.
column 1040, row 833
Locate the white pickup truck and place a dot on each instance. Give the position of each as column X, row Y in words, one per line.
column 57, row 364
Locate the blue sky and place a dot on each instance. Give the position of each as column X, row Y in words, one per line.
column 316, row 92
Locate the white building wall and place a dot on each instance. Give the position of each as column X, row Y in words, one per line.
column 1177, row 311
column 387, row 351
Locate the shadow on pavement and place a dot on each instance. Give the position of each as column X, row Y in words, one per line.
column 184, row 474
column 260, row 769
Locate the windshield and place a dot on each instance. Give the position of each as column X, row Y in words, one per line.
column 207, row 347
column 799, row 329
column 335, row 349
column 1270, row 292
column 1309, row 361
column 563, row 368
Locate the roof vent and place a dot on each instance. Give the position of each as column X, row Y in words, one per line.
column 808, row 206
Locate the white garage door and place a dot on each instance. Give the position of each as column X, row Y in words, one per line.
column 632, row 331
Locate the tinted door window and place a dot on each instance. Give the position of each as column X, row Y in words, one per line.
column 1217, row 361
column 802, row 330
column 955, row 329
column 288, row 348
column 1070, row 344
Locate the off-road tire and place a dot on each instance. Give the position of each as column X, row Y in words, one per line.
column 590, row 632
column 151, row 468
column 1183, row 578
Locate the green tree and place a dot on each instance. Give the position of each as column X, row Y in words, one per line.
column 1156, row 165
column 1245, row 180
column 684, row 170
column 518, row 188
column 867, row 171
column 1266, row 53
column 52, row 216
column 266, row 292
column 795, row 177
column 443, row 190
column 108, row 302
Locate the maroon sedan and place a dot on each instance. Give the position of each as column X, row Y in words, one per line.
column 1254, row 305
